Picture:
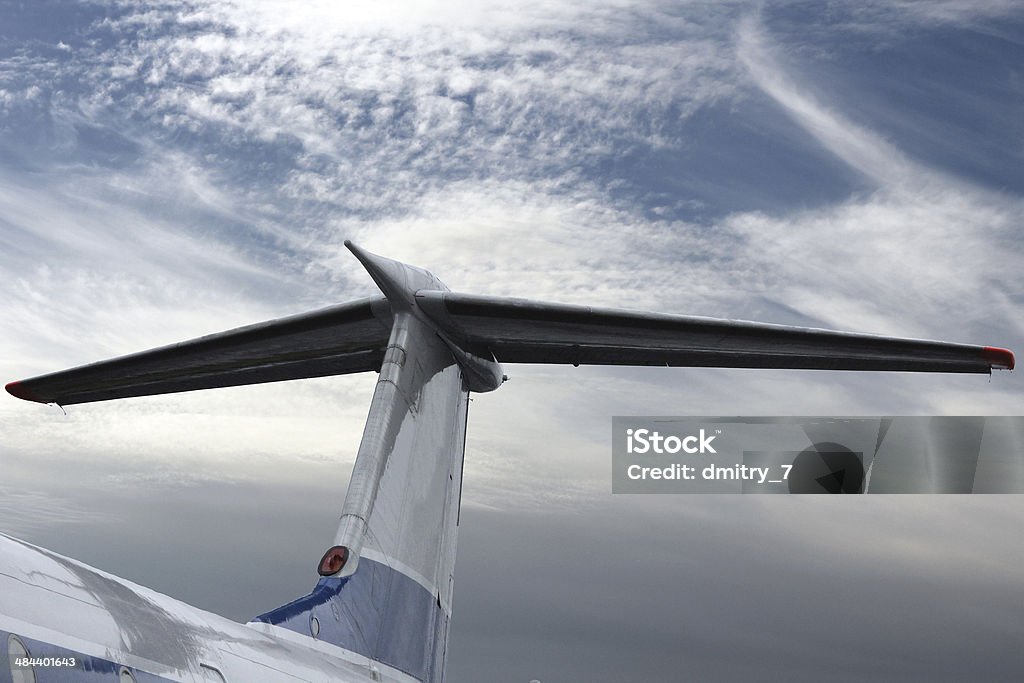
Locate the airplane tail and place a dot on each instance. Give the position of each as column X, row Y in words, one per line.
column 385, row 591
column 386, row 586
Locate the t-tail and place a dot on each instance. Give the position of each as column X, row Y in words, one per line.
column 386, row 586
column 386, row 581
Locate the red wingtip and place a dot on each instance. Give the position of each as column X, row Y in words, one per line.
column 17, row 390
column 998, row 358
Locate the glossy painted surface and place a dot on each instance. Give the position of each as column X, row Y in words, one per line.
column 401, row 509
column 377, row 612
column 333, row 341
column 526, row 331
column 480, row 330
column 71, row 608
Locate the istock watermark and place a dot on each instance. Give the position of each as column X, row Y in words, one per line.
column 647, row 441
column 828, row 455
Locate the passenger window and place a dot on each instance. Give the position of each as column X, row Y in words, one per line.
column 16, row 650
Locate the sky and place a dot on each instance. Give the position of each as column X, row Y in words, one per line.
column 172, row 169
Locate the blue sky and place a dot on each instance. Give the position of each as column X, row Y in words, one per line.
column 170, row 169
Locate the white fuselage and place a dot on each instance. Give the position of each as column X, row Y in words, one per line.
column 63, row 611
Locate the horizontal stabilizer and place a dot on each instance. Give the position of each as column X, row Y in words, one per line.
column 332, row 341
column 526, row 331
column 352, row 338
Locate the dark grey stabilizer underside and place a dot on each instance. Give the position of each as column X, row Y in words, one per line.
column 352, row 338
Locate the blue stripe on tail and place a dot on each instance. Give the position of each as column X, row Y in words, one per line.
column 377, row 612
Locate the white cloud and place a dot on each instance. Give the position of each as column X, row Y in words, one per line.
column 923, row 249
column 264, row 137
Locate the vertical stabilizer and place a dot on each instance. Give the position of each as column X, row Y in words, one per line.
column 387, row 584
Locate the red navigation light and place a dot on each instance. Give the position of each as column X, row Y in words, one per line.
column 333, row 560
column 18, row 390
column 998, row 358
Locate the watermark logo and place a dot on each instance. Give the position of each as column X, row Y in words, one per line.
column 823, row 455
column 648, row 441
